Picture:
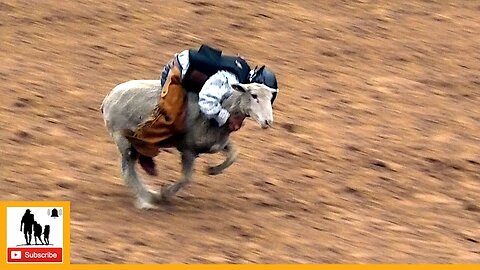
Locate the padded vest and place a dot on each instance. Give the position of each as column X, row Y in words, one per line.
column 207, row 61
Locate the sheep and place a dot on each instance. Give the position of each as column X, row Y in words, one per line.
column 130, row 103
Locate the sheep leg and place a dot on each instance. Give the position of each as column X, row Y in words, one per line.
column 145, row 197
column 188, row 159
column 231, row 154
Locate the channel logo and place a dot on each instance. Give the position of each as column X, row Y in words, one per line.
column 35, row 234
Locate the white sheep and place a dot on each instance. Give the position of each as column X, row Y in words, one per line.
column 132, row 102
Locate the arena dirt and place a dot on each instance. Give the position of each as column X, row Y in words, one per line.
column 373, row 158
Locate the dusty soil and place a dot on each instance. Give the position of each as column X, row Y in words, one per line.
column 374, row 156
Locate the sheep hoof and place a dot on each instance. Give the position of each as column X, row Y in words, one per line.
column 144, row 204
column 214, row 170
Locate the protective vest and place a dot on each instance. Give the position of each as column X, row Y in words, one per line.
column 207, row 61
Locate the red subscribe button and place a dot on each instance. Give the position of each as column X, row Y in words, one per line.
column 37, row 255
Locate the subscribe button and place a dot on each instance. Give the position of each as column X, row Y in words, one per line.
column 34, row 255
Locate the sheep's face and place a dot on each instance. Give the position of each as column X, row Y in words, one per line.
column 258, row 102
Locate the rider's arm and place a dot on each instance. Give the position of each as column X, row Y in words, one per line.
column 215, row 89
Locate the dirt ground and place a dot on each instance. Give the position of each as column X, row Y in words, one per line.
column 374, row 156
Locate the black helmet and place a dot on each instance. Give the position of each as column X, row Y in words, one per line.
column 264, row 76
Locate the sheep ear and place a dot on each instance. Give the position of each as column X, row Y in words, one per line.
column 239, row 87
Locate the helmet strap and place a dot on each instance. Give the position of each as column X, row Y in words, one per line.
column 255, row 71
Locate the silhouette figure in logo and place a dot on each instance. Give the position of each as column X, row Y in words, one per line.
column 37, row 232
column 46, row 234
column 27, row 224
